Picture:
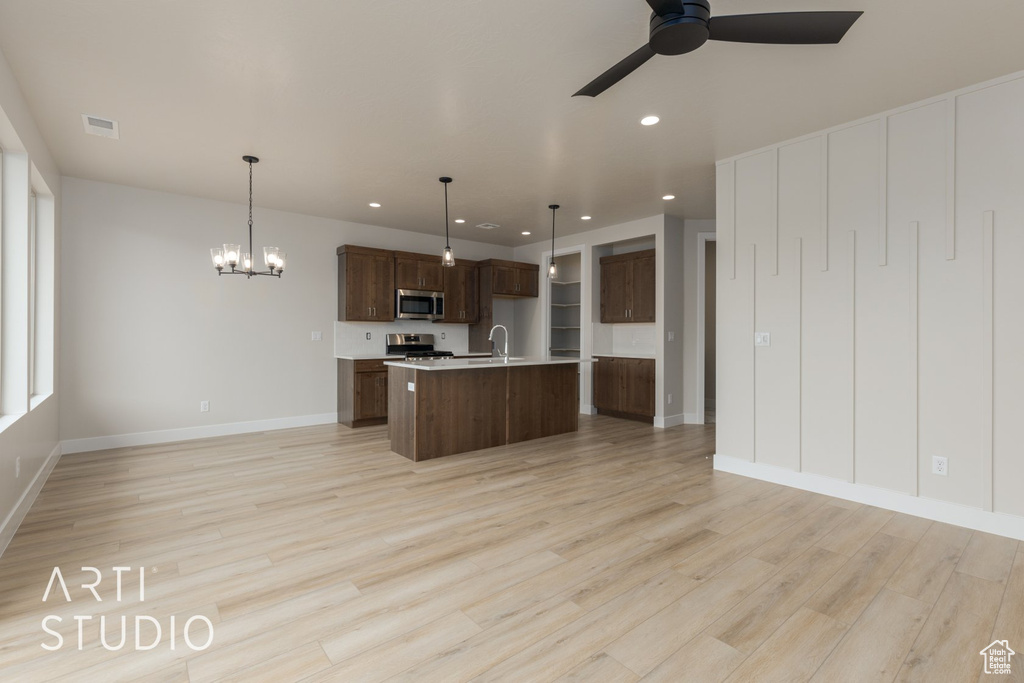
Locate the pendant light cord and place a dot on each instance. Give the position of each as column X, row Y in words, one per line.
column 447, row 242
column 252, row 258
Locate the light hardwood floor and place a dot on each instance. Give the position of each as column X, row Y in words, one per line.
column 612, row 554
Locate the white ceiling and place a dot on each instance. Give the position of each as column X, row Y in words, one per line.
column 371, row 100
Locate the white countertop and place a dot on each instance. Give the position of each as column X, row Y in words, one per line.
column 382, row 356
column 646, row 356
column 479, row 363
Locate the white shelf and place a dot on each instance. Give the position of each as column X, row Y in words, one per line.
column 573, row 282
column 576, row 350
column 561, row 327
column 565, row 305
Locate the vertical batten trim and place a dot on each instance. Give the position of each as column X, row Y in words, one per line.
column 851, row 246
column 883, row 194
column 775, row 212
column 914, row 364
column 753, row 351
column 823, row 228
column 988, row 356
column 799, row 259
column 731, row 228
column 951, row 178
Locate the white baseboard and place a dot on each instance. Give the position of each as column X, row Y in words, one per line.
column 999, row 523
column 100, row 443
column 588, row 410
column 14, row 519
column 671, row 420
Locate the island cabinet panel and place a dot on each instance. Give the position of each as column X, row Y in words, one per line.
column 624, row 387
column 542, row 401
column 366, row 284
column 461, row 293
column 459, row 410
column 362, row 392
column 419, row 271
column 628, row 287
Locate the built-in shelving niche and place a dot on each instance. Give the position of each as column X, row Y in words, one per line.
column 564, row 336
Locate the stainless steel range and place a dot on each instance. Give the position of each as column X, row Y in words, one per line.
column 414, row 347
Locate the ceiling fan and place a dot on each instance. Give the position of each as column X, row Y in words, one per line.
column 681, row 26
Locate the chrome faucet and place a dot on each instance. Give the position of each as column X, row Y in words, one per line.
column 490, row 338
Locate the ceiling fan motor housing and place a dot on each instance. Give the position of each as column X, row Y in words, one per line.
column 681, row 29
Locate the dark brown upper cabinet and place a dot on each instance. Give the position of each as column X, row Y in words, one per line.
column 419, row 271
column 511, row 278
column 628, row 287
column 366, row 284
column 461, row 293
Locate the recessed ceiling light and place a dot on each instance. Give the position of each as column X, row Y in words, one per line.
column 526, row 232
column 375, row 205
column 584, row 218
column 460, row 220
column 669, row 197
column 649, row 120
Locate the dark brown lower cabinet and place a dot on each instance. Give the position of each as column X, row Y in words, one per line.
column 362, row 392
column 624, row 387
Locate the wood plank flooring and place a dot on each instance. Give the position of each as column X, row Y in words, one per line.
column 612, row 554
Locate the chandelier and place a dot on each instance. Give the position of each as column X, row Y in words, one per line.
column 241, row 263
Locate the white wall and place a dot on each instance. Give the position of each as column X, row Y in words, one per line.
column 885, row 259
column 676, row 361
column 32, row 437
column 150, row 330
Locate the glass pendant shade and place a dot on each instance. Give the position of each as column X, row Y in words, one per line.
column 270, row 257
column 448, row 258
column 217, row 255
column 552, row 270
column 232, row 254
column 281, row 257
column 247, row 261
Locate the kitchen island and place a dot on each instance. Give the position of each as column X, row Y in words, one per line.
column 443, row 407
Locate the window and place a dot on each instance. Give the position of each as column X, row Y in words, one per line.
column 27, row 287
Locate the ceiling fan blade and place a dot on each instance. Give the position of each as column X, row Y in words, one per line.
column 783, row 28
column 616, row 73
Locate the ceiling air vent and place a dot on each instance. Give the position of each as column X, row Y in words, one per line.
column 96, row 125
column 488, row 226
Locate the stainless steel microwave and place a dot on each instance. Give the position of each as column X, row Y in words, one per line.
column 411, row 304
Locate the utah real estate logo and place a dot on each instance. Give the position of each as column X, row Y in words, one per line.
column 997, row 657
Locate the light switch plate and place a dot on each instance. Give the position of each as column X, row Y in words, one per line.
column 762, row 339
column 318, row 336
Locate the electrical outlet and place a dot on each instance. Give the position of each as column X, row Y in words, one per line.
column 940, row 465
column 671, row 336
column 204, row 406
column 670, row 399
column 442, row 335
column 367, row 335
column 318, row 336
column 17, row 467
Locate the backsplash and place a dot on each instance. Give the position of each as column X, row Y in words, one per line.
column 350, row 338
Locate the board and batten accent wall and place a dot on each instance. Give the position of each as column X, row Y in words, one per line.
column 885, row 258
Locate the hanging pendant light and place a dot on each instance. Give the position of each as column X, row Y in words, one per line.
column 448, row 257
column 552, row 268
column 243, row 263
